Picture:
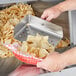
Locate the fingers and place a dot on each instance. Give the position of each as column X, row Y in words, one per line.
column 44, row 15
column 52, row 68
column 50, row 17
column 47, row 15
column 46, row 67
column 51, row 13
column 53, row 62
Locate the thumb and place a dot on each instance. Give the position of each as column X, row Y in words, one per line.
column 40, row 64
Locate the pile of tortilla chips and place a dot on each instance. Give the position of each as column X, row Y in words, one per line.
column 9, row 17
column 37, row 46
column 63, row 43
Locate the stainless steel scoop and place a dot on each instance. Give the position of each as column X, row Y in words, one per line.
column 31, row 25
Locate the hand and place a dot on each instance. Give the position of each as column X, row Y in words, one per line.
column 51, row 13
column 55, row 11
column 54, row 62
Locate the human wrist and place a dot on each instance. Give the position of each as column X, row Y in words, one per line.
column 70, row 56
column 66, row 60
column 63, row 6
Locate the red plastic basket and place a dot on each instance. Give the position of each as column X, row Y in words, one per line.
column 23, row 57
